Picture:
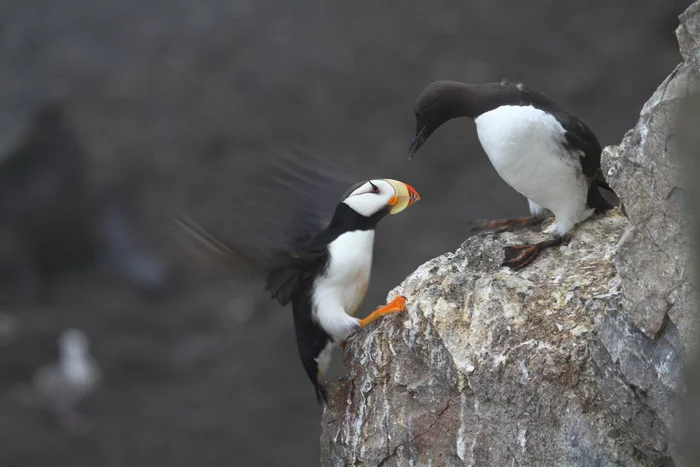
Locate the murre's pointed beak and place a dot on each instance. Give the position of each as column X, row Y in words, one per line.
column 418, row 141
column 405, row 195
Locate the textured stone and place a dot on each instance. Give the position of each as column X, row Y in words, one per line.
column 491, row 367
column 576, row 360
column 645, row 171
column 688, row 33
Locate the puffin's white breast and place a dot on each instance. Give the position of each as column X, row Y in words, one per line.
column 340, row 291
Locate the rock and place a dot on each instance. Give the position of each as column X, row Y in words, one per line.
column 654, row 258
column 576, row 360
column 688, row 33
column 491, row 367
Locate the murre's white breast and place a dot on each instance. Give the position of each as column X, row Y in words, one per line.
column 525, row 146
column 340, row 291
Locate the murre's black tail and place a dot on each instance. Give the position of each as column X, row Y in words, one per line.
column 596, row 200
column 604, row 185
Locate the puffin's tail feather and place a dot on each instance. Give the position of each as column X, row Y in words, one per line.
column 321, row 394
column 312, row 341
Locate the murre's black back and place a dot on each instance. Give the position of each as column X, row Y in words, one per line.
column 579, row 137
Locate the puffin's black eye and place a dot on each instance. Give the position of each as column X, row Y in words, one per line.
column 375, row 188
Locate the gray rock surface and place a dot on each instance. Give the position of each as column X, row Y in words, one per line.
column 576, row 360
column 645, row 171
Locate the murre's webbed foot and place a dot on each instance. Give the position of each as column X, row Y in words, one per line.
column 520, row 256
column 397, row 305
column 504, row 225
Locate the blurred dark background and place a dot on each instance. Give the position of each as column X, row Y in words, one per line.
column 114, row 112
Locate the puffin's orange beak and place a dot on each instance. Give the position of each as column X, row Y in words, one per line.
column 405, row 195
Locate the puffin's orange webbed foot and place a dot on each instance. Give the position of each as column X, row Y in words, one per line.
column 397, row 305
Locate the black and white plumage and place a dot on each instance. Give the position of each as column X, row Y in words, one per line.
column 541, row 150
column 319, row 261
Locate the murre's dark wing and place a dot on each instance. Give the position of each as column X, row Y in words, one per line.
column 278, row 207
column 579, row 137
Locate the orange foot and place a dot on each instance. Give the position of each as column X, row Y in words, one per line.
column 397, row 305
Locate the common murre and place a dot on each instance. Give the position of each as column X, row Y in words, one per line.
column 541, row 150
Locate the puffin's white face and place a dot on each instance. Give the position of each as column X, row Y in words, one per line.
column 375, row 195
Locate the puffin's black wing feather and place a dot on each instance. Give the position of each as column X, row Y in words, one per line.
column 295, row 273
column 279, row 207
column 306, row 188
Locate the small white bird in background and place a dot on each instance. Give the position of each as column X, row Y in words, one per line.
column 61, row 386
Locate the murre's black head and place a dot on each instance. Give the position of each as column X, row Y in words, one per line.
column 437, row 103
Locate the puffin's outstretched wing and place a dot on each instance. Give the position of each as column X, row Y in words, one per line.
column 289, row 199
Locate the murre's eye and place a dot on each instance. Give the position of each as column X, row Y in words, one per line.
column 375, row 188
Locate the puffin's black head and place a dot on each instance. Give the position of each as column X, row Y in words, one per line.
column 437, row 103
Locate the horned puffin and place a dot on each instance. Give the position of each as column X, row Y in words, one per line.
column 545, row 153
column 321, row 260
